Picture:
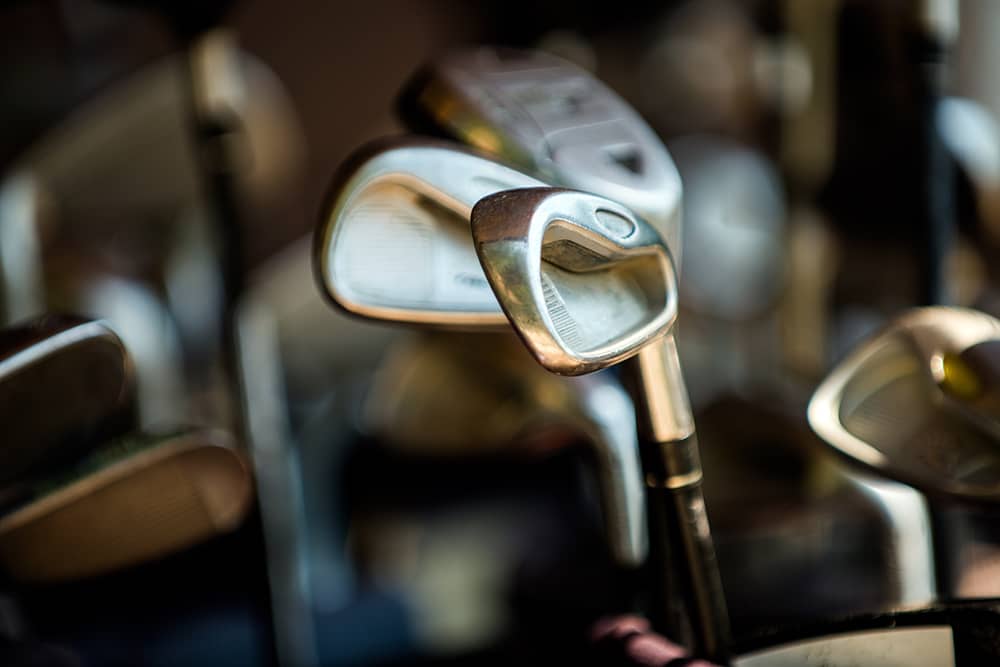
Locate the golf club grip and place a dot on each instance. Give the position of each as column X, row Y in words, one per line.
column 680, row 529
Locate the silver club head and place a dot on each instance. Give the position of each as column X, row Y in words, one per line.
column 394, row 241
column 584, row 281
column 553, row 119
column 134, row 500
column 66, row 383
column 920, row 403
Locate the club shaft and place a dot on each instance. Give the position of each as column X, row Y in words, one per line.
column 679, row 523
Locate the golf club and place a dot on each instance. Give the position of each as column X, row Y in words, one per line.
column 587, row 284
column 66, row 383
column 394, row 245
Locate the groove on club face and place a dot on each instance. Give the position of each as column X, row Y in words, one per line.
column 170, row 494
column 915, row 403
column 553, row 119
column 394, row 244
column 66, row 382
column 585, row 282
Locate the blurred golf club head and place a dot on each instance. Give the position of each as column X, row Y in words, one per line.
column 134, row 500
column 554, row 120
column 918, row 403
column 393, row 242
column 487, row 395
column 122, row 166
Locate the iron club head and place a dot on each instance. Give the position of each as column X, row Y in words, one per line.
column 584, row 281
column 553, row 119
column 393, row 243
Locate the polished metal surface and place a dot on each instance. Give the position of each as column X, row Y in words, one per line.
column 548, row 251
column 554, row 120
column 917, row 403
column 584, row 281
column 394, row 242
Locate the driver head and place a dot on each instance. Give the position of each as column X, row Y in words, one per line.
column 394, row 244
column 550, row 118
column 920, row 403
column 584, row 281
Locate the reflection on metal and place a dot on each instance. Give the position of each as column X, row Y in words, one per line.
column 890, row 404
column 394, row 243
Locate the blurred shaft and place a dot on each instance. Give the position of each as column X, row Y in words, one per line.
column 679, row 527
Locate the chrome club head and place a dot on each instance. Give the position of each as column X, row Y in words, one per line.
column 584, row 281
column 587, row 284
column 394, row 242
column 66, row 383
column 920, row 403
column 133, row 500
column 553, row 119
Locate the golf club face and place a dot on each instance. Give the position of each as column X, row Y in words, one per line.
column 66, row 382
column 917, row 403
column 584, row 282
column 394, row 241
column 552, row 119
column 139, row 498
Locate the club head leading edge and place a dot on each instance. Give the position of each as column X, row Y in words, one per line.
column 402, row 208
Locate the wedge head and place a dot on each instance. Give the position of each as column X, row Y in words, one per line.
column 394, row 242
column 920, row 403
column 583, row 280
column 552, row 119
